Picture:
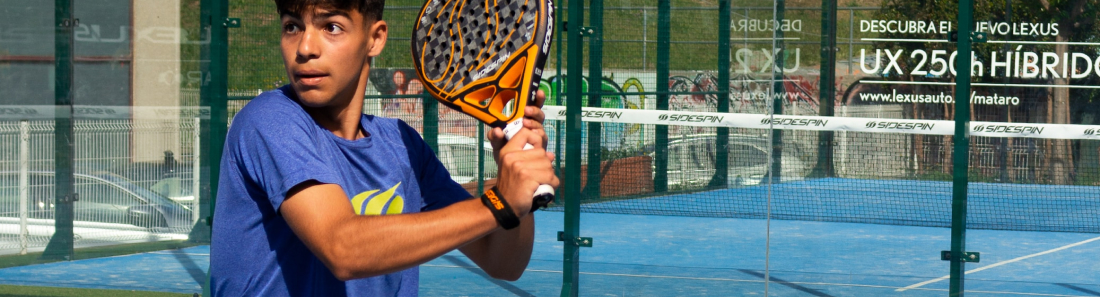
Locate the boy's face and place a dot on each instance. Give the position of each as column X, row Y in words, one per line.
column 327, row 53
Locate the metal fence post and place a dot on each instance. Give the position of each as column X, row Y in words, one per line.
column 660, row 148
column 24, row 182
column 214, row 63
column 196, row 167
column 571, row 199
column 827, row 85
column 962, row 147
column 60, row 246
column 779, row 91
column 595, row 79
column 430, row 124
column 721, row 145
column 215, row 88
column 480, row 158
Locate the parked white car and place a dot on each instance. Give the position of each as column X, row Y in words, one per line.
column 459, row 154
column 691, row 161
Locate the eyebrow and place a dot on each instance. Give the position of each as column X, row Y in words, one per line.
column 331, row 13
column 324, row 14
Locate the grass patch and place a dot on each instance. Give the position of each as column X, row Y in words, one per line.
column 95, row 252
column 11, row 291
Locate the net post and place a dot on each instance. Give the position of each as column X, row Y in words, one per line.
column 595, row 78
column 660, row 148
column 961, row 147
column 60, row 246
column 571, row 199
column 827, row 85
column 721, row 144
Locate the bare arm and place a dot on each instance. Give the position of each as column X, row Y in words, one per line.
column 354, row 246
column 504, row 254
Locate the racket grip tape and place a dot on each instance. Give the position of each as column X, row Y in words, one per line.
column 544, row 194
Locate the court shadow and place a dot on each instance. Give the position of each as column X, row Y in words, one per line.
column 1079, row 289
column 503, row 284
column 786, row 283
column 189, row 264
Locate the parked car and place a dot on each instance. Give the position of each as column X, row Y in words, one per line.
column 101, row 197
column 168, row 178
column 691, row 161
column 459, row 154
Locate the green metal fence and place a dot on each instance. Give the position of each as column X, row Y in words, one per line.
column 780, row 59
column 848, row 95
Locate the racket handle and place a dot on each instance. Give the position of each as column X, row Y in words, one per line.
column 544, row 194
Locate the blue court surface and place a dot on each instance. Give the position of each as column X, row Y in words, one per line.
column 653, row 255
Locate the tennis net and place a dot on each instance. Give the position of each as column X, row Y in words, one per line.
column 876, row 169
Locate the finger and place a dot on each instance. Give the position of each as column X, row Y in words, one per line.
column 532, row 125
column 540, row 168
column 537, row 128
column 534, row 121
column 534, row 113
column 518, row 141
column 496, row 137
column 529, row 137
column 497, row 141
column 540, row 98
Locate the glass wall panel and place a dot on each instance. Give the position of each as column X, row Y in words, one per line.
column 1034, row 179
column 858, row 199
column 129, row 134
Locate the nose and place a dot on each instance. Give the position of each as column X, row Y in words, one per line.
column 308, row 48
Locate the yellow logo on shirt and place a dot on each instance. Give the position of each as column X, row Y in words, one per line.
column 384, row 203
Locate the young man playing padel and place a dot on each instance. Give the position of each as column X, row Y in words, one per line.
column 318, row 199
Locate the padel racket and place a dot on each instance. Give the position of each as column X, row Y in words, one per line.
column 484, row 58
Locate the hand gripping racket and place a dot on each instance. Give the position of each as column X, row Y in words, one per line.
column 484, row 58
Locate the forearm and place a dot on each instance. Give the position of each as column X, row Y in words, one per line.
column 504, row 254
column 364, row 246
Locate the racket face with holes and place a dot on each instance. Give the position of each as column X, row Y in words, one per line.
column 483, row 57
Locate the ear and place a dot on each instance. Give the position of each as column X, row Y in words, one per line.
column 379, row 31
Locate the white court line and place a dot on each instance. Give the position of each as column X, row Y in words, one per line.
column 762, row 281
column 171, row 253
column 917, row 285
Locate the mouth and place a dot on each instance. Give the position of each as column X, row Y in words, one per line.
column 310, row 77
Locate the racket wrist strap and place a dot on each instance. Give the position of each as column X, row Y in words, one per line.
column 503, row 213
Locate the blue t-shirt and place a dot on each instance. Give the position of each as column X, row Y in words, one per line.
column 274, row 145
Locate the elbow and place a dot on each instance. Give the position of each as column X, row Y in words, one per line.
column 342, row 274
column 342, row 269
column 347, row 265
column 508, row 275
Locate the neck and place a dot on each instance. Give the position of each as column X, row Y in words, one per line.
column 343, row 116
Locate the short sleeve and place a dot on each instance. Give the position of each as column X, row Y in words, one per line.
column 436, row 185
column 273, row 144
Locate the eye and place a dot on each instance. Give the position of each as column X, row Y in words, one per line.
column 290, row 28
column 334, row 28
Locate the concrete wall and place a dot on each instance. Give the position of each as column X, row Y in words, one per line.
column 156, row 76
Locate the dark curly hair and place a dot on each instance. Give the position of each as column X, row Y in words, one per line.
column 370, row 9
